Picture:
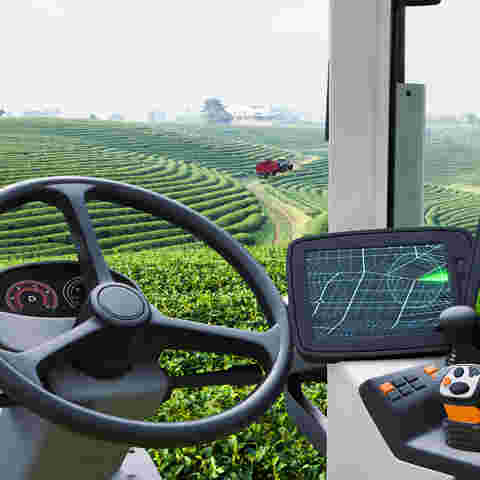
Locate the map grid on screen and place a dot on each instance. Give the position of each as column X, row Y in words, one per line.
column 393, row 290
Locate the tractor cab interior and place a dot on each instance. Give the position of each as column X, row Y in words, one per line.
column 383, row 307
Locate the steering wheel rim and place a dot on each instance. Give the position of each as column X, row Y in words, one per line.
column 18, row 371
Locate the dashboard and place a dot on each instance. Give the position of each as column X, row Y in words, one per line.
column 46, row 289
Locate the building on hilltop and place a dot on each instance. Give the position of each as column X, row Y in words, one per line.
column 262, row 114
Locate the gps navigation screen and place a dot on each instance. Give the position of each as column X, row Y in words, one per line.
column 391, row 290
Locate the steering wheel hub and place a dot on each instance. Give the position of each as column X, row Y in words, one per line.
column 119, row 305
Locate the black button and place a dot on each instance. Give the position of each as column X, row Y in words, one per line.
column 458, row 372
column 398, row 382
column 459, row 387
column 474, row 371
column 410, row 378
column 418, row 385
column 406, row 390
column 395, row 395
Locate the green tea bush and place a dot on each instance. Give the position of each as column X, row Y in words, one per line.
column 199, row 285
column 195, row 283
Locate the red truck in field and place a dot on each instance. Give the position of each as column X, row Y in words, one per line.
column 272, row 167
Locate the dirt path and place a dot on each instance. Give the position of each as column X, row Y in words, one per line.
column 308, row 159
column 274, row 212
column 280, row 213
column 465, row 188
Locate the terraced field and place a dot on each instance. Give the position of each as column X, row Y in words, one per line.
column 196, row 165
column 29, row 150
column 181, row 143
column 451, row 206
column 305, row 187
column 451, row 155
column 306, row 141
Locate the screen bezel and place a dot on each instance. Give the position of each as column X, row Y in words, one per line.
column 459, row 246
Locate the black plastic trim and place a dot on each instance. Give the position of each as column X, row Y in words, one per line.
column 459, row 245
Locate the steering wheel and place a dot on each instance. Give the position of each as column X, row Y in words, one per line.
column 120, row 311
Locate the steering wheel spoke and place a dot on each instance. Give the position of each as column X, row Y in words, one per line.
column 70, row 199
column 27, row 361
column 167, row 332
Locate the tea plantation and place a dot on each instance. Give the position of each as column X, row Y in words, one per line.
column 29, row 149
column 234, row 156
column 205, row 168
column 198, row 284
column 451, row 207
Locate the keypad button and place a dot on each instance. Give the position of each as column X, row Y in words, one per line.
column 418, row 385
column 458, row 372
column 399, row 382
column 394, row 396
column 406, row 390
column 430, row 370
column 386, row 387
column 459, row 388
column 410, row 378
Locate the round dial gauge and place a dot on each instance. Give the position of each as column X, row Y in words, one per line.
column 74, row 292
column 31, row 296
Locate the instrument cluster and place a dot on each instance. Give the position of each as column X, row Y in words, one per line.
column 49, row 289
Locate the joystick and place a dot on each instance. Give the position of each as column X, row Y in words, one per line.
column 460, row 385
column 460, row 396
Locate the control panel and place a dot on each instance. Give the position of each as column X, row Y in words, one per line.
column 402, row 386
column 429, row 415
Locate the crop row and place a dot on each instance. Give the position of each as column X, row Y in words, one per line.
column 238, row 231
column 303, row 187
column 57, row 231
column 231, row 156
column 449, row 207
column 41, row 228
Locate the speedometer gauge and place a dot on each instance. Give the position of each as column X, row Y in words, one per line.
column 74, row 292
column 31, row 297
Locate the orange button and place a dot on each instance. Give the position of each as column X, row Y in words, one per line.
column 386, row 388
column 430, row 370
column 463, row 414
column 446, row 381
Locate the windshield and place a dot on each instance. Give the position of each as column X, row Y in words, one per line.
column 218, row 105
column 452, row 137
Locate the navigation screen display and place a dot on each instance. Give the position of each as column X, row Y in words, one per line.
column 391, row 290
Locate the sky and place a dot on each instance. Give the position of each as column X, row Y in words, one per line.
column 110, row 56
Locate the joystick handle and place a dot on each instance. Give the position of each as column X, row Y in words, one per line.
column 460, row 396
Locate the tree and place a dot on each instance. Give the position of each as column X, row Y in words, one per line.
column 2, row 112
column 216, row 112
column 93, row 117
column 471, row 118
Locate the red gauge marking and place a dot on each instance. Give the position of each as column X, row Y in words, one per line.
column 13, row 297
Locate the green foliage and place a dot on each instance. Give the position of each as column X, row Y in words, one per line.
column 36, row 148
column 197, row 284
column 201, row 286
column 451, row 207
column 318, row 224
